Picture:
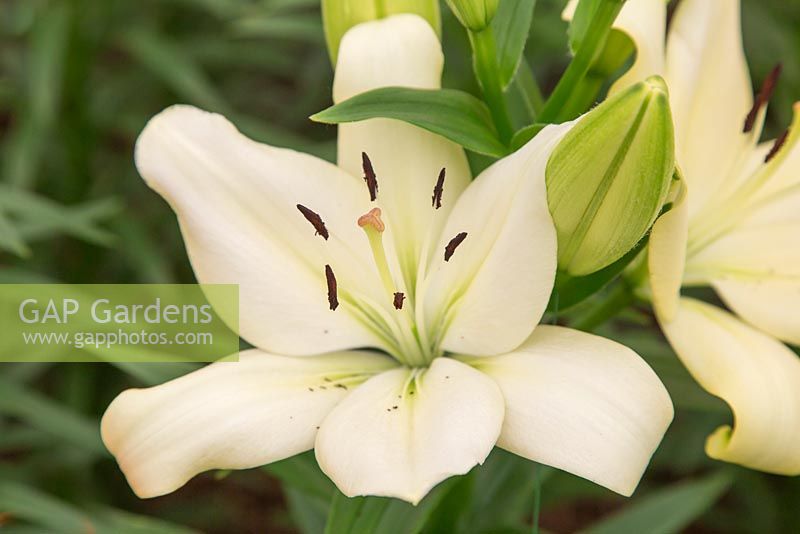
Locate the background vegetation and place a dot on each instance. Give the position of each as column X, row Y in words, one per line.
column 78, row 80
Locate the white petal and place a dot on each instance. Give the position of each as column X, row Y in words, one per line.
column 401, row 50
column 756, row 375
column 581, row 403
column 495, row 287
column 756, row 270
column 228, row 415
column 236, row 202
column 667, row 256
column 644, row 22
column 383, row 440
column 710, row 94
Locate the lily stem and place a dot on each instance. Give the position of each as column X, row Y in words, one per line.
column 557, row 107
column 610, row 305
column 487, row 71
column 528, row 88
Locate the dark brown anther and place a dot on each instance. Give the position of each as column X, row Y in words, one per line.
column 763, row 96
column 399, row 297
column 333, row 299
column 315, row 220
column 438, row 189
column 369, row 176
column 779, row 142
column 453, row 244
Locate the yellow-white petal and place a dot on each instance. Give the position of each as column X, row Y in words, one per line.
column 228, row 415
column 400, row 433
column 236, row 202
column 644, row 22
column 755, row 374
column 496, row 285
column 581, row 403
column 756, row 270
column 667, row 255
column 401, row 50
column 710, row 94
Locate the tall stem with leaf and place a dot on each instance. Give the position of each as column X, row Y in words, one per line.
column 487, row 71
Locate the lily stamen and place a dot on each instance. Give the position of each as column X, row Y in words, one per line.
column 315, row 220
column 453, row 244
column 330, row 278
column 369, row 176
column 438, row 190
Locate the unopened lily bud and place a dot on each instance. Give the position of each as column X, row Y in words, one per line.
column 338, row 16
column 475, row 15
column 609, row 176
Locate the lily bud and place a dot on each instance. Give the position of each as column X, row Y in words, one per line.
column 338, row 16
column 609, row 176
column 475, row 15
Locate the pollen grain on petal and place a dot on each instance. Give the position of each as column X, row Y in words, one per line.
column 763, row 97
column 333, row 298
column 399, row 297
column 315, row 220
column 369, row 176
column 373, row 220
column 453, row 244
column 438, row 190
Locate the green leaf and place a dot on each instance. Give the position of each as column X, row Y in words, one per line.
column 302, row 473
column 22, row 502
column 668, row 510
column 456, row 115
column 355, row 515
column 525, row 134
column 44, row 71
column 42, row 413
column 507, row 483
column 174, row 67
column 511, row 26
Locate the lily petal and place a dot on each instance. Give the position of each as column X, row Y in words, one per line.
column 228, row 415
column 667, row 256
column 755, row 374
column 401, row 50
column 493, row 290
column 756, row 270
column 404, row 431
column 236, row 202
column 710, row 94
column 581, row 403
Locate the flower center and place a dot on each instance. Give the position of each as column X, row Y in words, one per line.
column 397, row 317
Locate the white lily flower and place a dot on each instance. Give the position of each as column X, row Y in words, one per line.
column 737, row 229
column 441, row 279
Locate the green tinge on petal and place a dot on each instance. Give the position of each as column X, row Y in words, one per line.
column 338, row 16
column 607, row 180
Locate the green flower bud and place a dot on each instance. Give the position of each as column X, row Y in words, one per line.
column 475, row 15
column 608, row 178
column 338, row 16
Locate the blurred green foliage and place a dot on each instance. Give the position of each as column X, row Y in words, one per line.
column 78, row 81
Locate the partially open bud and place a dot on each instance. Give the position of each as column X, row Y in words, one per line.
column 475, row 15
column 338, row 16
column 609, row 176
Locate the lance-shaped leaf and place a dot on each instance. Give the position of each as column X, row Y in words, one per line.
column 511, row 26
column 456, row 115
